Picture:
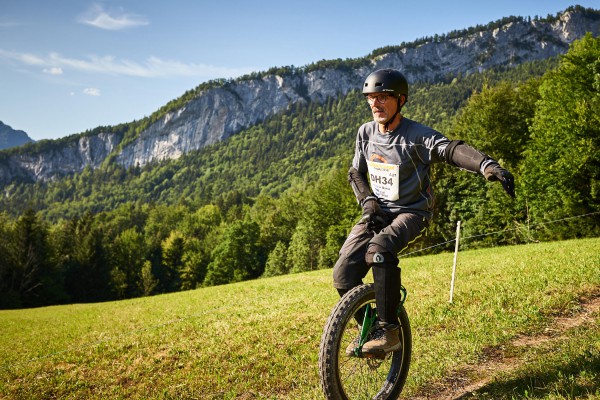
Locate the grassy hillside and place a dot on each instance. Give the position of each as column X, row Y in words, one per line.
column 259, row 339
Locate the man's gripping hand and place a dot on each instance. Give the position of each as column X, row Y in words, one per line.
column 373, row 215
column 494, row 172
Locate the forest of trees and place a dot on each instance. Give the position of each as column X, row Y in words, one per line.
column 274, row 199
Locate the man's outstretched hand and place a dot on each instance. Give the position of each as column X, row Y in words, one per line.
column 494, row 172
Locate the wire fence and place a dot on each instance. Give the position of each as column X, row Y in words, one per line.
column 529, row 227
column 205, row 312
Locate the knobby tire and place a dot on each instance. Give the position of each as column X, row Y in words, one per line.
column 346, row 377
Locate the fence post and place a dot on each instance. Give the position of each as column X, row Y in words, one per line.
column 455, row 256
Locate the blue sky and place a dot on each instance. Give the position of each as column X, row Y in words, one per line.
column 71, row 65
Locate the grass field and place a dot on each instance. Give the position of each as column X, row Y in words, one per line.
column 260, row 339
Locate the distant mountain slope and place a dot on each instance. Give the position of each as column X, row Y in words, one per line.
column 10, row 137
column 266, row 158
column 218, row 110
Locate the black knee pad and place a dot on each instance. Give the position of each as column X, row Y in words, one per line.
column 377, row 255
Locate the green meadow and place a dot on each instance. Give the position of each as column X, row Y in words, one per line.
column 259, row 339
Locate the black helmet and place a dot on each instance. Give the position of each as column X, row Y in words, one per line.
column 386, row 81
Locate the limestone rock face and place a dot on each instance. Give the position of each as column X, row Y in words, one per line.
column 221, row 112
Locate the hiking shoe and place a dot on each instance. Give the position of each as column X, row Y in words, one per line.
column 383, row 341
column 354, row 344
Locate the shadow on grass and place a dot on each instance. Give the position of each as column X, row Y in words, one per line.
column 578, row 378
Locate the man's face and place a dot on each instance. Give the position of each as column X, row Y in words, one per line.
column 383, row 106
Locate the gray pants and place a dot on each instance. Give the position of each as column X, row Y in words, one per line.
column 351, row 266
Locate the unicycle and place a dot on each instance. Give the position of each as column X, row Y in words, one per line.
column 361, row 375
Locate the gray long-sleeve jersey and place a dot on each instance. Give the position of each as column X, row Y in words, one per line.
column 398, row 164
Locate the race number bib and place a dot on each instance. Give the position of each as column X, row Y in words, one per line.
column 384, row 180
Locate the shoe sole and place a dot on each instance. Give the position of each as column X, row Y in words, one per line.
column 382, row 351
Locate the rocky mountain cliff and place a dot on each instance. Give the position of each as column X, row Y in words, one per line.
column 10, row 137
column 219, row 112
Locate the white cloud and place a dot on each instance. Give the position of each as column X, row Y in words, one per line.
column 53, row 70
column 99, row 18
column 23, row 58
column 153, row 67
column 91, row 91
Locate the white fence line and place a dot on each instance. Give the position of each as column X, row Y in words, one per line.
column 457, row 243
column 454, row 263
column 498, row 232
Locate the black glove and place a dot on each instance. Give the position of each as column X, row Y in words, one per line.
column 373, row 215
column 494, row 172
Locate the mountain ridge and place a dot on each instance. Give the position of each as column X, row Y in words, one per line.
column 220, row 111
column 10, row 137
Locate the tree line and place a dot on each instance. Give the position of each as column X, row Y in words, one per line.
column 275, row 199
